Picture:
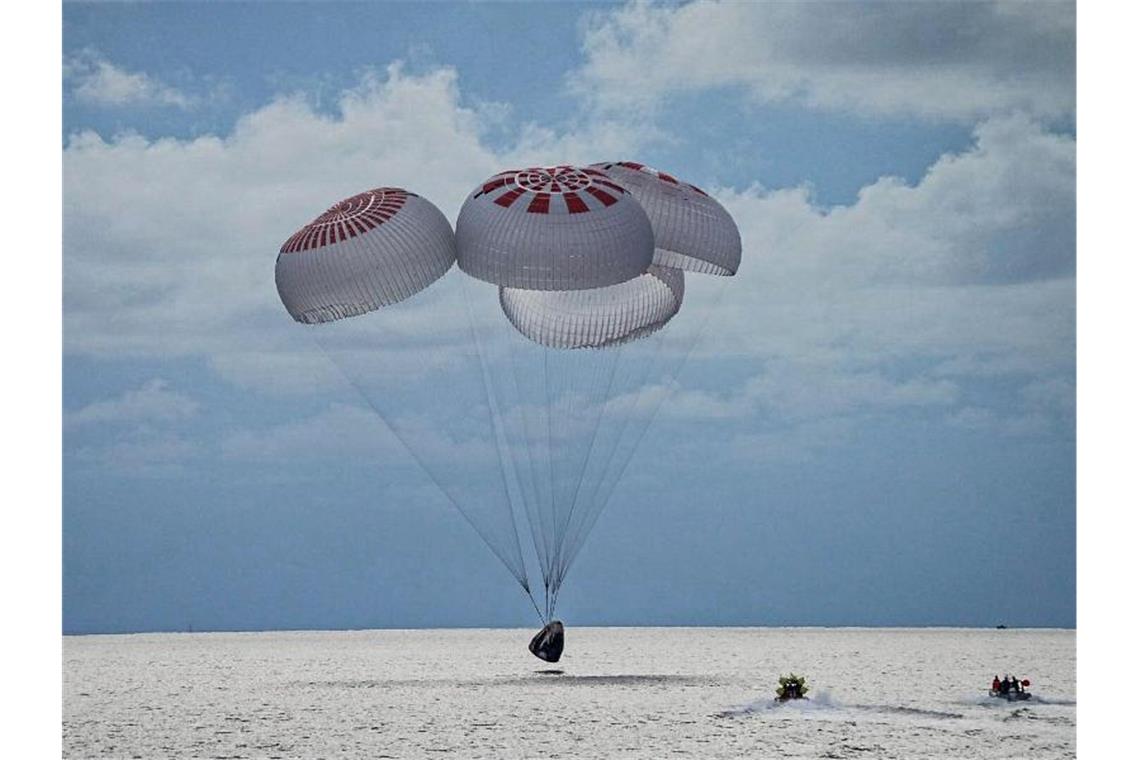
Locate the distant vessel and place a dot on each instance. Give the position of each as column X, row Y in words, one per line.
column 1013, row 690
column 791, row 687
column 1001, row 626
column 1011, row 696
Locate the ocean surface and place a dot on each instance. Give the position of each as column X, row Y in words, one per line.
column 621, row 692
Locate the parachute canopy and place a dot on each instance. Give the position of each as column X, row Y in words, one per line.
column 557, row 228
column 691, row 230
column 371, row 250
column 597, row 317
column 536, row 406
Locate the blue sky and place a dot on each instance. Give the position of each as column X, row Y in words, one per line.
column 886, row 390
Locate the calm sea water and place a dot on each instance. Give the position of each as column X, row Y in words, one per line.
column 623, row 692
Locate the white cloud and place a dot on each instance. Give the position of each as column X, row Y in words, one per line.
column 792, row 390
column 143, row 453
column 277, row 372
column 1000, row 212
column 972, row 264
column 349, row 433
column 169, row 244
column 882, row 305
column 697, row 404
column 153, row 402
column 896, row 301
column 340, row 432
column 96, row 81
column 796, row 443
column 959, row 61
column 986, row 420
column 805, row 390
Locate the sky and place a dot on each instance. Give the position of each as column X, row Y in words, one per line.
column 877, row 427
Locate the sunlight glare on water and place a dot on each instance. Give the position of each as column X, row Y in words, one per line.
column 617, row 692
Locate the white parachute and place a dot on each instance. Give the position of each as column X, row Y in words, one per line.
column 523, row 383
column 371, row 250
column 598, row 317
column 552, row 229
column 691, row 230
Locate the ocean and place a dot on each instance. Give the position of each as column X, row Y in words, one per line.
column 619, row 692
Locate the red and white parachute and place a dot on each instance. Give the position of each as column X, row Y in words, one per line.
column 523, row 383
column 371, row 250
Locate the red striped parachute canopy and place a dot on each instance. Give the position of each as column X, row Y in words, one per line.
column 553, row 228
column 374, row 249
column 691, row 230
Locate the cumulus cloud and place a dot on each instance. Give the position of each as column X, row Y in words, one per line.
column 796, row 390
column 883, row 305
column 795, row 443
column 1000, row 212
column 153, row 402
column 169, row 244
column 143, row 453
column 960, row 61
column 345, row 433
column 799, row 391
column 135, row 436
column 971, row 266
column 896, row 301
column 986, row 420
column 339, row 432
column 96, row 81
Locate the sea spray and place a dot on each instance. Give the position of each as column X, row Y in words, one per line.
column 820, row 701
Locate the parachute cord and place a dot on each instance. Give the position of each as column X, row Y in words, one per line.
column 532, row 448
column 595, row 506
column 537, row 611
column 583, row 412
column 496, row 423
column 605, row 399
column 522, row 580
column 588, row 526
column 549, row 459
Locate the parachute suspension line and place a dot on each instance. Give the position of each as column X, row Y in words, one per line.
column 537, row 611
column 655, row 407
column 575, row 377
column 549, row 464
column 534, row 409
column 518, row 576
column 541, row 547
column 574, row 412
column 602, row 403
column 608, row 488
column 639, row 373
column 636, row 362
column 496, row 419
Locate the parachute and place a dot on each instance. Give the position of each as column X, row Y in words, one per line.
column 371, row 250
column 691, row 230
column 524, row 381
column 600, row 317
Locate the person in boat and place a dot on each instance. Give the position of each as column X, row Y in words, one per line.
column 996, row 685
column 1015, row 683
column 1004, row 685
